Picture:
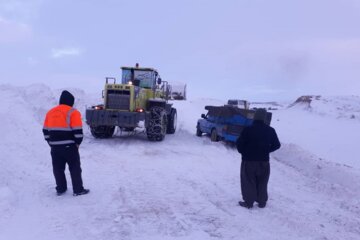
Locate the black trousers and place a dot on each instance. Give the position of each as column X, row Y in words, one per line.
column 254, row 177
column 60, row 156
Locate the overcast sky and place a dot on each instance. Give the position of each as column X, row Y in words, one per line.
column 251, row 49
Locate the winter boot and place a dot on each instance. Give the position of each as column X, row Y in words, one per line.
column 262, row 205
column 245, row 205
column 60, row 193
column 83, row 192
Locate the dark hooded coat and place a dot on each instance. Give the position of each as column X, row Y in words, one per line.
column 257, row 141
column 255, row 144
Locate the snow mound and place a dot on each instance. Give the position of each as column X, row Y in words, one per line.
column 336, row 174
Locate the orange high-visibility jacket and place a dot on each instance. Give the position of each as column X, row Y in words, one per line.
column 63, row 126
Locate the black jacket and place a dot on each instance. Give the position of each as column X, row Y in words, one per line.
column 257, row 141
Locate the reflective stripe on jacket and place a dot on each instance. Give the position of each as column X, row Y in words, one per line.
column 63, row 125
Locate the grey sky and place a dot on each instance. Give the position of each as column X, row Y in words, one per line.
column 254, row 49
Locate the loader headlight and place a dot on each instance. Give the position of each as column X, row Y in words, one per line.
column 140, row 110
column 130, row 83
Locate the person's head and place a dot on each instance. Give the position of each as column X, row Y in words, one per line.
column 260, row 114
column 67, row 98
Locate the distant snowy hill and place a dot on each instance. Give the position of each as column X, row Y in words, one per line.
column 185, row 187
column 339, row 106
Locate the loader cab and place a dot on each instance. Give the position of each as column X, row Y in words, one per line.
column 141, row 77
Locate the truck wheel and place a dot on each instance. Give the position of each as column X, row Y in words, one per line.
column 156, row 129
column 198, row 131
column 172, row 121
column 102, row 131
column 214, row 137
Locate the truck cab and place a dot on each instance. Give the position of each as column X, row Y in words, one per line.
column 243, row 104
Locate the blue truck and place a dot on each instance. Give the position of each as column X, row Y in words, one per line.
column 226, row 122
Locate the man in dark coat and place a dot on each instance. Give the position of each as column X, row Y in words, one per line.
column 63, row 132
column 255, row 144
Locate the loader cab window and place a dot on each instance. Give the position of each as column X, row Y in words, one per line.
column 146, row 79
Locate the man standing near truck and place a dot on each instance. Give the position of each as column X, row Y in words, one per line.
column 255, row 144
column 63, row 132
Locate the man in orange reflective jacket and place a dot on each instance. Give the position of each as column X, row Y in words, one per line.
column 63, row 132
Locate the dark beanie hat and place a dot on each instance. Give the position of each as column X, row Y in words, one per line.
column 67, row 98
column 260, row 114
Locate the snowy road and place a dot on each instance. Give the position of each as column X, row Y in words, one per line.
column 182, row 188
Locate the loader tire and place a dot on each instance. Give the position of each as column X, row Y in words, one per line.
column 157, row 126
column 128, row 129
column 102, row 131
column 172, row 121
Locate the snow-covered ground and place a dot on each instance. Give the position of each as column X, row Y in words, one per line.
column 184, row 187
